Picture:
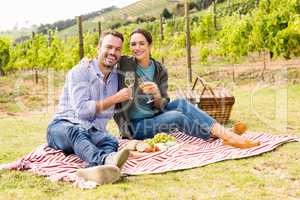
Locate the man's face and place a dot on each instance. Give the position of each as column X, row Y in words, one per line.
column 110, row 51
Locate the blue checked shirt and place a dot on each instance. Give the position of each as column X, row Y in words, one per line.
column 84, row 86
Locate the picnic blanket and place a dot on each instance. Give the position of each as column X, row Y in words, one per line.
column 190, row 152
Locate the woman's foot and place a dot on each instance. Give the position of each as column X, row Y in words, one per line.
column 232, row 139
column 240, row 142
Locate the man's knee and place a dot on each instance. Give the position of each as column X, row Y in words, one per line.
column 75, row 133
column 109, row 140
column 59, row 140
column 112, row 139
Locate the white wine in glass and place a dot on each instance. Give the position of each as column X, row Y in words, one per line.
column 129, row 79
column 142, row 83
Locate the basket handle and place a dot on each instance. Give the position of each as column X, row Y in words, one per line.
column 205, row 87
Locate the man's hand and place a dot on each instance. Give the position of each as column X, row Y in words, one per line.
column 123, row 95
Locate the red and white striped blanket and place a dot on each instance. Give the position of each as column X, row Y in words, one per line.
column 189, row 153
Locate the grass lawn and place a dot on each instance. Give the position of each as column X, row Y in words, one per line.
column 273, row 175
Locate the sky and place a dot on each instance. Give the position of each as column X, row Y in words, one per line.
column 24, row 13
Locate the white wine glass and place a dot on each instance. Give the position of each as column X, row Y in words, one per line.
column 129, row 80
column 149, row 97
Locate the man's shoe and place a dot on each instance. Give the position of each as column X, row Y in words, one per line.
column 117, row 158
column 102, row 174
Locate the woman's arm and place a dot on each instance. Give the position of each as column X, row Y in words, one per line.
column 159, row 89
column 162, row 83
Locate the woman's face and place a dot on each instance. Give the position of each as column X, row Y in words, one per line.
column 139, row 46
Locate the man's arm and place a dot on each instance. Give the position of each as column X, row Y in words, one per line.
column 121, row 96
column 79, row 89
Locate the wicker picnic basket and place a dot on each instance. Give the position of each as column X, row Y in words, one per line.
column 216, row 102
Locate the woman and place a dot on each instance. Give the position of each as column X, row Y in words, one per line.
column 151, row 111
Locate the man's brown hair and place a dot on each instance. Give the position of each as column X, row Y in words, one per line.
column 111, row 32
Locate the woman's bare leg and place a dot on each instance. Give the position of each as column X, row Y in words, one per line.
column 232, row 139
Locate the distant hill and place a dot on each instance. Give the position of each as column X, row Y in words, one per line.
column 140, row 8
column 111, row 16
column 137, row 9
column 63, row 24
column 14, row 34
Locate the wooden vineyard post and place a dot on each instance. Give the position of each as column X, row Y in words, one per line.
column 161, row 34
column 229, row 6
column 36, row 73
column 264, row 69
column 80, row 35
column 188, row 41
column 49, row 38
column 49, row 44
column 99, row 29
column 215, row 14
column 161, row 28
column 256, row 3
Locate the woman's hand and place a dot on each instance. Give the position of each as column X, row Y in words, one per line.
column 150, row 88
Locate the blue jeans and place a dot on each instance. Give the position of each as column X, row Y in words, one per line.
column 179, row 114
column 90, row 145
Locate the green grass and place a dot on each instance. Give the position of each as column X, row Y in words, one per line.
column 273, row 175
column 19, row 93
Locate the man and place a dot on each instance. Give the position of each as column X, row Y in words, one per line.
column 86, row 104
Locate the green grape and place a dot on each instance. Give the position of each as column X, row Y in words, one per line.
column 162, row 138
